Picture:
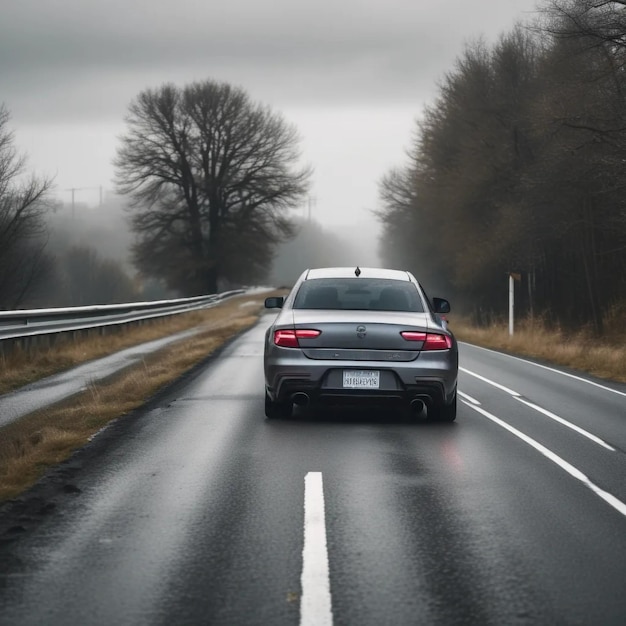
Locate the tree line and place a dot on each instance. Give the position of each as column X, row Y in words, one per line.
column 518, row 166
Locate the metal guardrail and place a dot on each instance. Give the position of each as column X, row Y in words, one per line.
column 36, row 322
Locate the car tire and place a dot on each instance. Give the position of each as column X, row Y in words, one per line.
column 445, row 412
column 275, row 410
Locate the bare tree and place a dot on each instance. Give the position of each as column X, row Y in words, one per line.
column 601, row 22
column 23, row 204
column 210, row 176
column 582, row 174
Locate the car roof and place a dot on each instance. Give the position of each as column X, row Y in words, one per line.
column 351, row 272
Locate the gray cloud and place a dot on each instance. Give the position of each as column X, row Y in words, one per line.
column 85, row 59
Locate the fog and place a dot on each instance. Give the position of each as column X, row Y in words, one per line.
column 103, row 228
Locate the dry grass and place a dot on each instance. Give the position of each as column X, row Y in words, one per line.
column 47, row 437
column 533, row 338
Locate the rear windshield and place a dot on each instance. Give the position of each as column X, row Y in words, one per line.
column 365, row 294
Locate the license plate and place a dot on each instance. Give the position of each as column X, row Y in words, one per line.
column 361, row 379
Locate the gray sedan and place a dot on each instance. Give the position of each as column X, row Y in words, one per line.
column 360, row 335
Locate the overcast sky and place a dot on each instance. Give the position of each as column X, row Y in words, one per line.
column 352, row 75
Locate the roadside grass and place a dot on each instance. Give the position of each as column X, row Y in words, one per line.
column 47, row 437
column 604, row 358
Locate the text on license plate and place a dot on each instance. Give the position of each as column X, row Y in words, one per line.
column 361, row 379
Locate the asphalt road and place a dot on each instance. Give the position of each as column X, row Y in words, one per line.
column 200, row 511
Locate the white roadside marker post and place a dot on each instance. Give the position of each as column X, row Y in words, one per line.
column 511, row 303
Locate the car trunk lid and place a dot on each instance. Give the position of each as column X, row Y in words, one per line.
column 361, row 335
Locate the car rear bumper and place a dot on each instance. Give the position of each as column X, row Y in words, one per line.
column 432, row 393
column 431, row 378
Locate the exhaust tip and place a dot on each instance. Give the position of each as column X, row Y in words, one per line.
column 417, row 405
column 300, row 398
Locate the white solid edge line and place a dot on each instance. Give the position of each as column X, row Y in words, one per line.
column 315, row 604
column 491, row 382
column 560, row 420
column 610, row 499
column 551, row 369
column 517, row 396
column 468, row 397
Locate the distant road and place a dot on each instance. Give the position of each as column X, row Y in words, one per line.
column 199, row 511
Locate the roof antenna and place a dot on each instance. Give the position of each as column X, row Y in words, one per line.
column 357, row 271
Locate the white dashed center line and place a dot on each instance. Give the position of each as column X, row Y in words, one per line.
column 315, row 604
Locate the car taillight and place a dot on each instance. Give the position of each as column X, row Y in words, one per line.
column 410, row 335
column 289, row 338
column 431, row 341
column 437, row 342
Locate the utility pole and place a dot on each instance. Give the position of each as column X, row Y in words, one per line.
column 73, row 190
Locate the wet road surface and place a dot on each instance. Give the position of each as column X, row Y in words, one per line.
column 194, row 511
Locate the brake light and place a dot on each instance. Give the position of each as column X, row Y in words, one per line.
column 289, row 338
column 437, row 342
column 431, row 341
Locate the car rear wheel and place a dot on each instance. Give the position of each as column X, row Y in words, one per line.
column 275, row 410
column 445, row 412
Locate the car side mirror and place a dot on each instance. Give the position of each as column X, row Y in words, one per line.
column 441, row 306
column 275, row 302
